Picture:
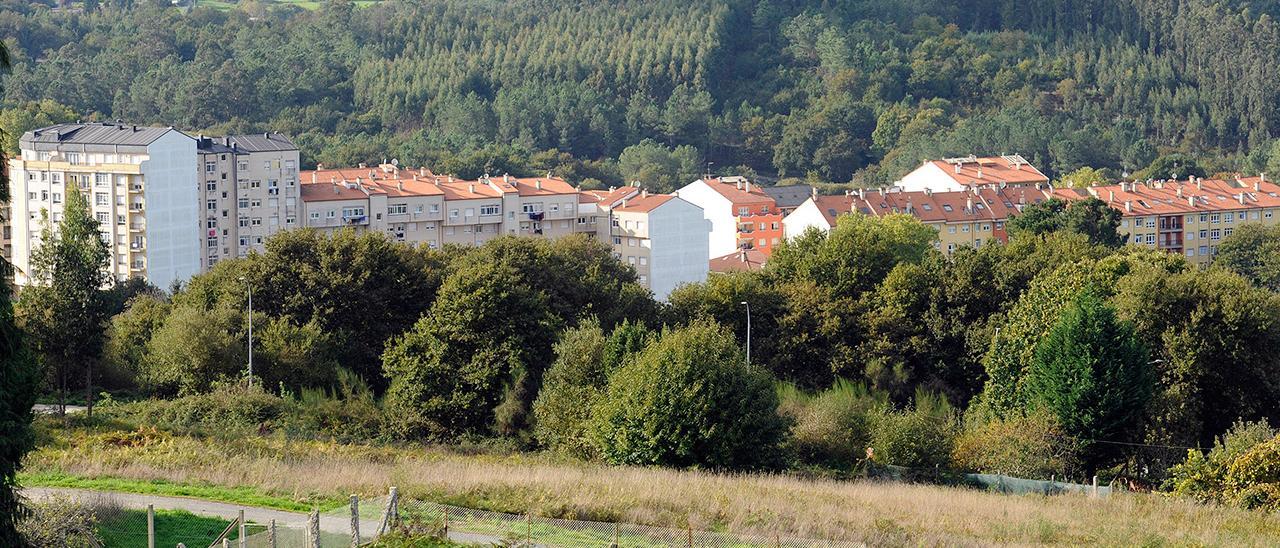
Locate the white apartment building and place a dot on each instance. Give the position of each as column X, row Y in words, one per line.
column 969, row 172
column 663, row 237
column 170, row 205
column 142, row 188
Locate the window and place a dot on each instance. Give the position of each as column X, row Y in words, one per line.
column 1204, row 250
column 1204, row 234
column 102, row 217
column 743, row 212
column 644, row 279
column 243, row 165
column 1204, row 217
column 1215, row 234
column 243, row 203
column 532, row 208
column 644, row 261
column 211, row 223
column 453, row 214
column 489, row 211
column 315, row 215
column 120, row 220
column 244, row 241
column 986, row 227
column 1228, row 218
column 330, row 214
column 617, row 240
column 255, row 184
column 1124, row 223
column 1265, row 215
column 398, row 209
column 211, row 205
column 210, row 167
column 951, row 230
column 1227, row 231
column 211, row 186
column 764, row 226
column 57, row 197
column 469, row 212
column 1213, row 218
column 244, row 221
column 102, row 179
column 290, row 220
column 347, row 213
column 435, row 208
column 256, row 202
column 1240, row 215
column 211, row 242
column 1191, row 236
column 631, row 260
column 977, row 243
column 1151, row 222
column 964, row 228
column 763, row 242
column 951, row 248
column 1191, row 252
column 631, row 242
column 101, row 198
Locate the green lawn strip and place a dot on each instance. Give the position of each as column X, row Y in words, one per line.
column 128, row 529
column 248, row 496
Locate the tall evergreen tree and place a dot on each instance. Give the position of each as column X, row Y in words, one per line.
column 66, row 308
column 1092, row 373
column 18, row 380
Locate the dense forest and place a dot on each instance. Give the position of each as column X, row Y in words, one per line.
column 606, row 91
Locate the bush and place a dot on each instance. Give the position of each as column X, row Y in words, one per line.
column 1032, row 446
column 60, row 523
column 689, row 399
column 918, row 438
column 576, row 379
column 230, row 409
column 1253, row 479
column 1204, row 476
column 833, row 428
column 349, row 413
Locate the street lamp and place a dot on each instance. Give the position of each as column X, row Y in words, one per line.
column 250, row 288
column 748, row 305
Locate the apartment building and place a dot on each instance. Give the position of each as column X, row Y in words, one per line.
column 142, row 188
column 661, row 236
column 170, row 205
column 742, row 216
column 1187, row 217
column 970, row 217
column 955, row 174
column 421, row 207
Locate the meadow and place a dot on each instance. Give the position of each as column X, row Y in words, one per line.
column 271, row 470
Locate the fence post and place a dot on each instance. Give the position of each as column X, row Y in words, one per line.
column 181, row 545
column 313, row 529
column 1095, row 486
column 151, row 526
column 355, row 521
column 528, row 528
column 616, row 527
column 445, row 534
column 690, row 532
column 393, row 514
column 244, row 542
column 226, row 542
column 271, row 534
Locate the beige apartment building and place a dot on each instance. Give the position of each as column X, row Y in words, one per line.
column 662, row 236
column 421, row 207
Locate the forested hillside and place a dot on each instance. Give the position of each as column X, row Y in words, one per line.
column 833, row 91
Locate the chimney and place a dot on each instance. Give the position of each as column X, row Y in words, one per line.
column 862, row 193
column 1179, row 191
column 744, row 255
column 958, row 167
column 336, row 190
column 537, row 183
column 506, row 178
column 1111, row 195
column 422, row 172
column 979, row 171
column 928, row 191
column 313, row 177
column 266, row 136
column 450, row 179
column 472, row 188
column 1241, row 196
column 968, row 205
column 1128, row 206
column 738, row 184
column 1199, row 183
column 361, row 165
column 747, row 185
column 813, row 192
column 1191, row 201
column 399, row 185
column 644, row 193
column 1257, row 186
column 1263, row 176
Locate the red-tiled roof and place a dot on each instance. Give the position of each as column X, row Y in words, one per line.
column 322, row 192
column 644, row 204
column 992, row 170
column 608, row 197
column 1181, row 197
column 739, row 261
column 738, row 190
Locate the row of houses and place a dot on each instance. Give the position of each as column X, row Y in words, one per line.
column 172, row 205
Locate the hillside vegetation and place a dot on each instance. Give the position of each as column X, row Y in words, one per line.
column 849, row 90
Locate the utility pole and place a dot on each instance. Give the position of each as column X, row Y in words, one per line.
column 250, row 288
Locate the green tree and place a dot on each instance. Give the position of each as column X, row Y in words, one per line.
column 1253, row 251
column 469, row 365
column 571, row 387
column 1093, row 375
column 65, row 309
column 293, row 355
column 1171, row 166
column 130, row 331
column 690, row 399
column 1091, row 217
column 1083, row 178
column 659, row 168
column 195, row 348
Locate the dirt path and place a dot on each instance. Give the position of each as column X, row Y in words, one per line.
column 329, row 523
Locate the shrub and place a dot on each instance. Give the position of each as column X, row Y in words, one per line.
column 60, row 523
column 833, row 428
column 1032, row 446
column 349, row 413
column 1253, row 479
column 917, row 438
column 689, row 399
column 226, row 409
column 563, row 409
column 1204, row 476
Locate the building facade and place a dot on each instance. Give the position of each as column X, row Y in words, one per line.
column 142, row 188
column 661, row 236
column 1189, row 217
column 742, row 216
column 170, row 205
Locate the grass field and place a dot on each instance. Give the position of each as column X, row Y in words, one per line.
column 272, row 471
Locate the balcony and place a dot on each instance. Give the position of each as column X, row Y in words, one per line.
column 135, row 188
column 137, row 227
column 138, row 267
column 355, row 219
column 138, row 245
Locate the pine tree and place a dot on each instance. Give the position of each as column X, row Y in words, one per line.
column 1093, row 374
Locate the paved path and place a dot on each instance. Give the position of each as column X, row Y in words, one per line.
column 52, row 409
column 293, row 520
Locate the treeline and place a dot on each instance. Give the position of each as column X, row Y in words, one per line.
column 858, row 91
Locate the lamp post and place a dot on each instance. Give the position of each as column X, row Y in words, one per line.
column 249, row 286
column 748, row 305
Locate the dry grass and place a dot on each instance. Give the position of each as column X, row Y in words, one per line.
column 891, row 514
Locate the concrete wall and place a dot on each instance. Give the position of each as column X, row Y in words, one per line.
column 679, row 252
column 173, row 209
column 803, row 218
column 929, row 176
